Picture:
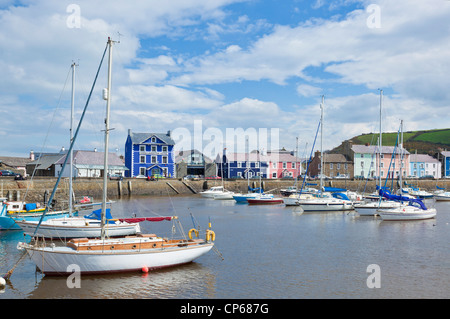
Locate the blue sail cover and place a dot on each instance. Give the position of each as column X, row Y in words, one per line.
column 387, row 194
column 334, row 189
column 97, row 214
column 255, row 190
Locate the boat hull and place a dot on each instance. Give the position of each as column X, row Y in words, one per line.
column 61, row 260
column 77, row 228
column 259, row 201
column 407, row 214
column 9, row 222
column 371, row 208
column 325, row 207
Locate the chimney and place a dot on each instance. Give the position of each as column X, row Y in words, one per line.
column 129, row 132
column 168, row 133
column 31, row 155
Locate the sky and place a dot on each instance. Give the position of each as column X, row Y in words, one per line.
column 222, row 73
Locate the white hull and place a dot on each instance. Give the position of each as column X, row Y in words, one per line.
column 323, row 206
column 442, row 196
column 407, row 213
column 60, row 260
column 224, row 195
column 77, row 228
column 371, row 208
column 291, row 201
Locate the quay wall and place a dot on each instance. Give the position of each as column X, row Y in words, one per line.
column 38, row 189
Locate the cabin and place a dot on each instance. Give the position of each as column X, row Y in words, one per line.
column 149, row 155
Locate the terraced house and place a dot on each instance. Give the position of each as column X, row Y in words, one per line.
column 149, row 154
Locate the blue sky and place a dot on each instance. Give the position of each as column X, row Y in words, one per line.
column 232, row 64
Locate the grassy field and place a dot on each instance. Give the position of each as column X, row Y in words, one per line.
column 421, row 141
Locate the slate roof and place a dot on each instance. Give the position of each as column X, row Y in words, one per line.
column 139, row 138
column 363, row 149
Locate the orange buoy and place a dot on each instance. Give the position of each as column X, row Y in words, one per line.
column 145, row 269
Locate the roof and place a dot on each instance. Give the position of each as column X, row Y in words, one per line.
column 334, row 158
column 139, row 138
column 80, row 158
column 422, row 158
column 45, row 161
column 363, row 149
column 15, row 161
column 184, row 155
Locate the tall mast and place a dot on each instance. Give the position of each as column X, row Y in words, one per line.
column 321, row 144
column 380, row 139
column 71, row 140
column 107, row 97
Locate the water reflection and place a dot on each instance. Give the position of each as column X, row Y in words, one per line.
column 187, row 281
column 269, row 252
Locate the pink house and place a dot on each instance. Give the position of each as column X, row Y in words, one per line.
column 394, row 170
column 283, row 164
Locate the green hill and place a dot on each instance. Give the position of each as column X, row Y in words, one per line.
column 425, row 142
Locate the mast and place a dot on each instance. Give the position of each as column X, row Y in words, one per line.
column 380, row 139
column 71, row 140
column 321, row 144
column 107, row 97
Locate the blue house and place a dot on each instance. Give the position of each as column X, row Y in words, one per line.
column 241, row 165
column 446, row 161
column 149, row 154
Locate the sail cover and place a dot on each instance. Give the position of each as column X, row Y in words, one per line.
column 387, row 194
column 142, row 219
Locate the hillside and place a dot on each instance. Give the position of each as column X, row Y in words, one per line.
column 425, row 142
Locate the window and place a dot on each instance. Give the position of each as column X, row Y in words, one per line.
column 153, row 159
column 239, row 165
column 338, row 166
column 164, row 148
column 142, row 171
column 284, row 165
column 142, row 148
column 362, row 164
column 153, row 148
column 153, row 139
column 293, row 164
column 256, row 164
column 362, row 155
column 142, row 159
column 331, row 165
column 274, row 165
column 274, row 175
column 239, row 174
column 164, row 159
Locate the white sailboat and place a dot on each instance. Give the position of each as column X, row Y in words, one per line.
column 106, row 255
column 410, row 208
column 323, row 201
column 371, row 206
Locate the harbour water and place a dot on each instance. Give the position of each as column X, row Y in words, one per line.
column 269, row 252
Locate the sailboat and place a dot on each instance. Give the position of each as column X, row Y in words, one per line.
column 13, row 212
column 323, row 201
column 123, row 254
column 410, row 208
column 370, row 208
column 88, row 226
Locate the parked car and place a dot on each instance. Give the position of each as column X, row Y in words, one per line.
column 426, row 177
column 6, row 172
column 115, row 177
column 213, row 177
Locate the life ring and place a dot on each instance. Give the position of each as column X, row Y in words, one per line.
column 193, row 230
column 210, row 235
